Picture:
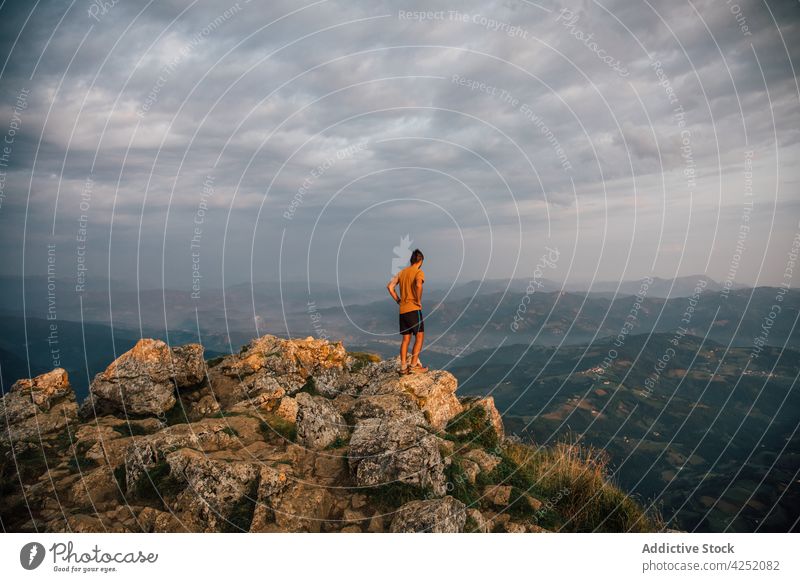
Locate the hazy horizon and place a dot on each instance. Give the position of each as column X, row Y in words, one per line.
column 163, row 141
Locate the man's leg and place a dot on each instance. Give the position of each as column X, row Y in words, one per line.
column 404, row 349
column 419, row 337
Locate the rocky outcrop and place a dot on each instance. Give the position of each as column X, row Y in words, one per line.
column 445, row 515
column 487, row 404
column 143, row 380
column 383, row 452
column 285, row 436
column 37, row 406
column 433, row 394
column 214, row 489
column 319, row 424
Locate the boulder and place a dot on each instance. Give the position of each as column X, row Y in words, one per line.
column 383, row 451
column 319, row 424
column 445, row 515
column 484, row 460
column 142, row 453
column 492, row 415
column 215, row 490
column 287, row 409
column 38, row 406
column 432, row 393
column 143, row 380
column 300, row 507
column 499, row 495
column 290, row 362
column 479, row 524
column 96, row 489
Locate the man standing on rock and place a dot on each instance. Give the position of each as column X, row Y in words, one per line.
column 410, row 280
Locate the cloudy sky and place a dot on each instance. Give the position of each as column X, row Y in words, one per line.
column 276, row 139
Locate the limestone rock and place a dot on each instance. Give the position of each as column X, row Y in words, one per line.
column 143, row 379
column 492, row 415
column 38, row 406
column 287, row 409
column 319, row 424
column 499, row 495
column 484, row 460
column 382, row 451
column 471, row 470
column 445, row 515
column 289, row 362
column 96, row 489
column 299, row 508
column 144, row 452
column 479, row 523
column 535, row 504
column 214, row 489
column 432, row 393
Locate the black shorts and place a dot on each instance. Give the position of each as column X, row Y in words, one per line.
column 411, row 322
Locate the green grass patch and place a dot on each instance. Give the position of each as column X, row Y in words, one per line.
column 362, row 359
column 473, row 426
column 577, row 479
column 459, row 485
column 274, row 427
column 338, row 443
column 471, row 526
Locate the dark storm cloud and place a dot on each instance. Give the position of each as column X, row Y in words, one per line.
column 500, row 116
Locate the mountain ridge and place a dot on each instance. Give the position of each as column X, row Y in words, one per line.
column 287, row 435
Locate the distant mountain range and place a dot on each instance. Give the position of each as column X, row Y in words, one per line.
column 712, row 436
column 713, row 440
column 471, row 316
column 562, row 318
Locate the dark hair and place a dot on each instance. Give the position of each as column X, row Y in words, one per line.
column 416, row 256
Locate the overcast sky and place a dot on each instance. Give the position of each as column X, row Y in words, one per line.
column 622, row 134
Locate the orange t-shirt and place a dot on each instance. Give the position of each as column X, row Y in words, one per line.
column 407, row 279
